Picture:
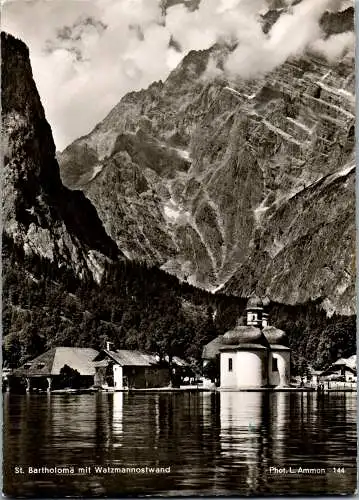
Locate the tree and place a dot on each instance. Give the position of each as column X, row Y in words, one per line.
column 12, row 350
column 69, row 378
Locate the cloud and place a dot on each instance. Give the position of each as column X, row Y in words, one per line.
column 335, row 47
column 75, row 38
column 294, row 31
column 86, row 54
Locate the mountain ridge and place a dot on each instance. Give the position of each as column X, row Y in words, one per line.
column 54, row 294
column 248, row 147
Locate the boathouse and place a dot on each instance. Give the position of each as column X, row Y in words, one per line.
column 253, row 354
column 50, row 369
column 122, row 369
column 344, row 369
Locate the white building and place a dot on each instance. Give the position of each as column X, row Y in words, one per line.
column 253, row 355
column 343, row 369
column 123, row 369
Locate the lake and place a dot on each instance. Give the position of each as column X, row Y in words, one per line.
column 223, row 443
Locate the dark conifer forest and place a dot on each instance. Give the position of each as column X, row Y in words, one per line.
column 140, row 307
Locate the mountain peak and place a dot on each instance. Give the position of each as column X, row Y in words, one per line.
column 39, row 213
column 253, row 154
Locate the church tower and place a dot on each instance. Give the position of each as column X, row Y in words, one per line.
column 254, row 312
column 265, row 314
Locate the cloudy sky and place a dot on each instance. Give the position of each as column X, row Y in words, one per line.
column 86, row 54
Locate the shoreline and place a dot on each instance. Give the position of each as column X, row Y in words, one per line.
column 190, row 390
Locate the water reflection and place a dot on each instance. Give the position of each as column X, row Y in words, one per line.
column 307, row 430
column 117, row 413
column 215, row 443
column 244, row 435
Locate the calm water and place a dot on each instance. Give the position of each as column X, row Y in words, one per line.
column 214, row 443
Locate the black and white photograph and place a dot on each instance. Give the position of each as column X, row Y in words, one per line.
column 178, row 248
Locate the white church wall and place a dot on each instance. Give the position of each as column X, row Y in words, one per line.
column 280, row 376
column 247, row 369
column 228, row 376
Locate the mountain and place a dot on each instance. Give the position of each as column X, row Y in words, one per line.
column 39, row 213
column 242, row 184
column 66, row 283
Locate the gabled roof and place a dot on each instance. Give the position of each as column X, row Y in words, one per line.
column 347, row 363
column 102, row 363
column 51, row 362
column 125, row 357
column 177, row 361
column 350, row 362
column 211, row 349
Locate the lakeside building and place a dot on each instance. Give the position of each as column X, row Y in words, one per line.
column 47, row 370
column 342, row 374
column 79, row 367
column 129, row 369
column 343, row 369
column 252, row 355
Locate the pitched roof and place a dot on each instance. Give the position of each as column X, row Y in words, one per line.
column 132, row 358
column 211, row 349
column 177, row 361
column 350, row 362
column 51, row 362
column 102, row 363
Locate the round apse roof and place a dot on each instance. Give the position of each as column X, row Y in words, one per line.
column 275, row 335
column 254, row 301
column 244, row 335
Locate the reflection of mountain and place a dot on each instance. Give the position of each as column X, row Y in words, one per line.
column 214, row 443
column 282, row 430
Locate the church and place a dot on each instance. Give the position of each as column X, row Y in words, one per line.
column 253, row 355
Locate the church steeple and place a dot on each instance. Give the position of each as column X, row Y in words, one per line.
column 265, row 314
column 254, row 311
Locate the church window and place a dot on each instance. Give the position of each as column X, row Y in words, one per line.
column 274, row 365
column 230, row 364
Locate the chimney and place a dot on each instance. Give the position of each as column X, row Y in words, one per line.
column 108, row 345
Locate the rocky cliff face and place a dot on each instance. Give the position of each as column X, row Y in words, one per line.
column 246, row 184
column 39, row 213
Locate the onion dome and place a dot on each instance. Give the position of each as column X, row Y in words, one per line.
column 266, row 302
column 244, row 335
column 254, row 302
column 275, row 336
